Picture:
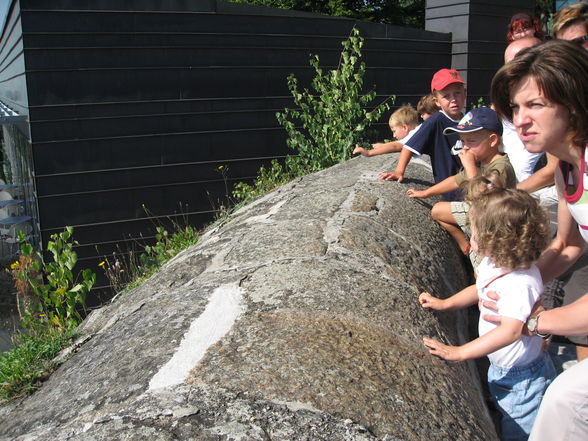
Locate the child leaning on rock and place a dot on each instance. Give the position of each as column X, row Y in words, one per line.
column 480, row 132
column 510, row 229
column 449, row 93
column 403, row 122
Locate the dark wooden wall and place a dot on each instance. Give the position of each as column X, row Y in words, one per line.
column 137, row 103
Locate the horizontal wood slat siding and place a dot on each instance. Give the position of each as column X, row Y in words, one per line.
column 136, row 103
column 13, row 90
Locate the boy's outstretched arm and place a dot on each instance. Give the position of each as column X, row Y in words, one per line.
column 380, row 148
column 445, row 186
column 462, row 299
column 508, row 332
column 398, row 174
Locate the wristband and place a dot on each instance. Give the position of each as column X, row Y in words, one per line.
column 533, row 325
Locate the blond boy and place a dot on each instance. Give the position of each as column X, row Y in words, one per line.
column 404, row 122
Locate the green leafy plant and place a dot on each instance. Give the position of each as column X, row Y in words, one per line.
column 326, row 123
column 168, row 245
column 127, row 270
column 59, row 294
column 268, row 179
column 479, row 103
column 329, row 120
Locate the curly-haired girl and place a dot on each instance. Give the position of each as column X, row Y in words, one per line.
column 511, row 230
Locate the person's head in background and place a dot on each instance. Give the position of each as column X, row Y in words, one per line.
column 571, row 23
column 427, row 106
column 524, row 25
column 448, row 89
column 516, row 46
column 403, row 120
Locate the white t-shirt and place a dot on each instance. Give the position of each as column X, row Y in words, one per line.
column 522, row 161
column 519, row 290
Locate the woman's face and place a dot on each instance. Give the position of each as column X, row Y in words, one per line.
column 541, row 124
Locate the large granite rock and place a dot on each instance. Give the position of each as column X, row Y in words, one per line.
column 296, row 320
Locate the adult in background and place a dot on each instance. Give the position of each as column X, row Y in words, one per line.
column 523, row 25
column 545, row 93
column 571, row 23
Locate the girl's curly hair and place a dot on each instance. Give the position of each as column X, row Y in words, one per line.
column 511, row 227
column 491, row 180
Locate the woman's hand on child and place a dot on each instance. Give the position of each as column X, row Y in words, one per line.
column 493, row 306
column 428, row 301
column 392, row 176
column 495, row 318
column 449, row 353
column 412, row 193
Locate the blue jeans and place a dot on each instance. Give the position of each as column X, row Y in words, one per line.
column 517, row 393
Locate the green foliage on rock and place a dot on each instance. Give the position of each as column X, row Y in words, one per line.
column 58, row 293
column 328, row 120
column 331, row 117
column 23, row 369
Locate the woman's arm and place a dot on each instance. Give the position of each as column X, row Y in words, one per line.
column 571, row 319
column 543, row 177
column 568, row 244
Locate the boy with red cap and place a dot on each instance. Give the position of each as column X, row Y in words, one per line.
column 449, row 93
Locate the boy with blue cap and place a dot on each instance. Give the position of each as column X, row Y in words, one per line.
column 480, row 132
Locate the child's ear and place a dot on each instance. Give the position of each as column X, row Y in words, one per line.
column 494, row 139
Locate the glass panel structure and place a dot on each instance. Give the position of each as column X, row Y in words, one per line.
column 18, row 207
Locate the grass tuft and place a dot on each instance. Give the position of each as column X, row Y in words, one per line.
column 23, row 369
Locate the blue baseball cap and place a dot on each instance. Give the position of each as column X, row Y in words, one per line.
column 477, row 119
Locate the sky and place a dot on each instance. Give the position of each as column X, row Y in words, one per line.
column 3, row 9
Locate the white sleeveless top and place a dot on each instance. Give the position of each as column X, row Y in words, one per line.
column 577, row 194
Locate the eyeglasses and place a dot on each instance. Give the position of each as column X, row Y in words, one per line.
column 580, row 40
column 522, row 31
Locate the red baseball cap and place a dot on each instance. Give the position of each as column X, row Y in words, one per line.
column 444, row 78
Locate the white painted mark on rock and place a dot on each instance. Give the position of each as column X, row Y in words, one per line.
column 221, row 312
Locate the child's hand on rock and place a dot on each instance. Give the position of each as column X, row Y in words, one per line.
column 428, row 301
column 412, row 193
column 449, row 353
